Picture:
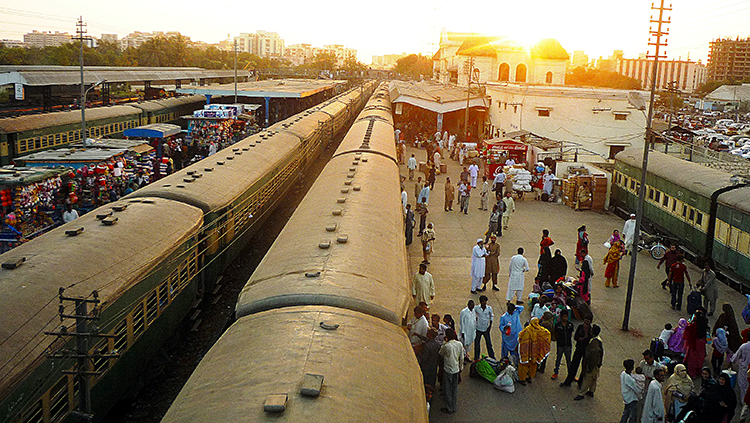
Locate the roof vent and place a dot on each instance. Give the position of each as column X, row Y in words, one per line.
column 188, row 180
column 109, row 221
column 120, row 207
column 337, row 212
column 342, row 239
column 275, row 403
column 341, row 200
column 105, row 215
column 14, row 263
column 208, row 169
column 74, row 232
column 220, row 163
column 347, row 182
column 324, row 244
column 311, row 385
column 312, row 274
column 331, row 227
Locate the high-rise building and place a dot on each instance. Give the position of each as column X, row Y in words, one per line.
column 262, row 43
column 110, row 38
column 687, row 75
column 46, row 39
column 729, row 59
column 580, row 59
column 387, row 61
column 13, row 43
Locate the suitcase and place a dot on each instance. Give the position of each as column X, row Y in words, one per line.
column 693, row 302
column 657, row 347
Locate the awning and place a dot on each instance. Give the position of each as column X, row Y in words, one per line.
column 140, row 149
column 154, row 130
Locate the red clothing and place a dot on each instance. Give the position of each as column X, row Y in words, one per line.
column 670, row 258
column 677, row 272
column 546, row 242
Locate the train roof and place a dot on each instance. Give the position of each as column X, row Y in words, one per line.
column 368, row 367
column 360, row 220
column 110, row 259
column 243, row 164
column 68, row 117
column 693, row 176
column 370, row 133
column 154, row 105
column 738, row 198
column 302, row 124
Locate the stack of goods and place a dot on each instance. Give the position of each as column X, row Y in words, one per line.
column 521, row 179
column 599, row 192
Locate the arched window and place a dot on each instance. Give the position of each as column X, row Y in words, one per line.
column 548, row 79
column 504, row 74
column 521, row 73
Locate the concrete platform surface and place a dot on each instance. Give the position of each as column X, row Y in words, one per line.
column 544, row 400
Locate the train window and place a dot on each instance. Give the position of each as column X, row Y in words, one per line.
column 37, row 143
column 174, row 287
column 684, row 211
column 121, row 333
column 722, row 231
column 59, row 399
column 734, row 237
column 64, row 138
column 138, row 323
column 193, row 263
column 650, row 193
column 674, row 205
column 163, row 297
column 699, row 218
column 691, row 217
column 152, row 308
column 101, row 364
column 632, row 184
column 743, row 246
column 58, row 138
column 35, row 414
column 45, row 141
column 183, row 276
column 21, row 146
column 657, row 196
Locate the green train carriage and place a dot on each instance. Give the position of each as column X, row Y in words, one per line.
column 144, row 268
column 699, row 206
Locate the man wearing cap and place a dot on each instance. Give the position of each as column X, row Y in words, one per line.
column 628, row 231
column 478, row 254
column 491, row 263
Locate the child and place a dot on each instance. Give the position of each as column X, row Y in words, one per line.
column 666, row 334
column 640, row 380
column 448, row 320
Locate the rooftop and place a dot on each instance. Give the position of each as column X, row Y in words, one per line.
column 279, row 88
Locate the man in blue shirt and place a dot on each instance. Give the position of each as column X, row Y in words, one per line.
column 510, row 326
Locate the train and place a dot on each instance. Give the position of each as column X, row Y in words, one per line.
column 30, row 133
column 706, row 210
column 317, row 333
column 142, row 263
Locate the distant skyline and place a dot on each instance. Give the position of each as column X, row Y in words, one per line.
column 390, row 27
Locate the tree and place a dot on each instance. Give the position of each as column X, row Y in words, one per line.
column 598, row 78
column 414, row 66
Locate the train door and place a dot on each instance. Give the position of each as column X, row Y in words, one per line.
column 733, row 241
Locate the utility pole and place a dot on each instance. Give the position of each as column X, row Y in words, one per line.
column 468, row 97
column 672, row 89
column 81, row 32
column 658, row 43
column 82, row 333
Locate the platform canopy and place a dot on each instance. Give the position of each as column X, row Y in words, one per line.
column 435, row 97
column 271, row 88
column 154, row 130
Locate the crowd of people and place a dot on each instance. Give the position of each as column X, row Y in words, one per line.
column 671, row 383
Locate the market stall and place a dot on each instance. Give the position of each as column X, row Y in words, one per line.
column 216, row 124
column 29, row 202
column 498, row 150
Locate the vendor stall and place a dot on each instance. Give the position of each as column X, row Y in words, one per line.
column 29, row 202
column 498, row 150
column 218, row 124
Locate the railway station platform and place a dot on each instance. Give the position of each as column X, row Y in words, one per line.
column 544, row 400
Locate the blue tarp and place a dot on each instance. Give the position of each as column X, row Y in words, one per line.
column 154, row 130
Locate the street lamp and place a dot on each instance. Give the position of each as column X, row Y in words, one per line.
column 83, row 111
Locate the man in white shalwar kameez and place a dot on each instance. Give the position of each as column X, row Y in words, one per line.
column 474, row 171
column 478, row 253
column 628, row 232
column 653, row 406
column 468, row 327
column 436, row 160
column 742, row 359
column 518, row 265
column 423, row 287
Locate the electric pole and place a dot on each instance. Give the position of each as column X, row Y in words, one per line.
column 81, row 36
column 83, row 332
column 658, row 43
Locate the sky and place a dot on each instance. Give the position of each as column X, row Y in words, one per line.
column 391, row 26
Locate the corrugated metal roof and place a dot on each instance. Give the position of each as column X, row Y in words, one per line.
column 46, row 120
column 154, row 130
column 278, row 88
column 13, row 176
column 70, row 75
column 71, row 155
column 432, row 96
column 154, row 105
